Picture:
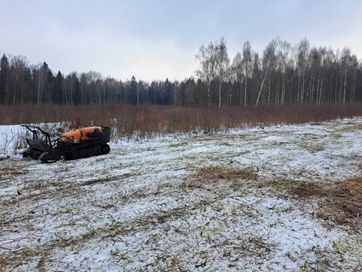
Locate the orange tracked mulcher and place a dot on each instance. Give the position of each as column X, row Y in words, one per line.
column 74, row 144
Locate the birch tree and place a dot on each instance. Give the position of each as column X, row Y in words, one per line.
column 207, row 57
column 284, row 61
column 302, row 53
column 237, row 74
column 222, row 66
column 247, row 71
column 269, row 61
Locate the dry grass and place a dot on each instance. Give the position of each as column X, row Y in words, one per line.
column 147, row 120
column 343, row 204
column 17, row 257
column 211, row 174
column 340, row 202
column 8, row 171
column 292, row 187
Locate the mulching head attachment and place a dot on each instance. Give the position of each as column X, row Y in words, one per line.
column 74, row 144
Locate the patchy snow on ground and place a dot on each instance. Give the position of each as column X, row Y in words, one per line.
column 145, row 206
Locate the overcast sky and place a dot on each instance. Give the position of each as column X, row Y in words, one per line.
column 155, row 39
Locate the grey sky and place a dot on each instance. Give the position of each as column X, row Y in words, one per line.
column 156, row 39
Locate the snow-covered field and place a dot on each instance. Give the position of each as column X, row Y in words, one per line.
column 182, row 203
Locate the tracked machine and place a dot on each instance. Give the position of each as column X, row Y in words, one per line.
column 74, row 144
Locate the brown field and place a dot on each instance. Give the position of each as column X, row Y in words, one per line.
column 147, row 120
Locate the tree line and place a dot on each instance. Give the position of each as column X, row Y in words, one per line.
column 281, row 74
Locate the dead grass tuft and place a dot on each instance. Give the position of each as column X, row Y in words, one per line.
column 206, row 175
column 344, row 204
column 340, row 202
column 292, row 187
column 219, row 172
column 307, row 189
